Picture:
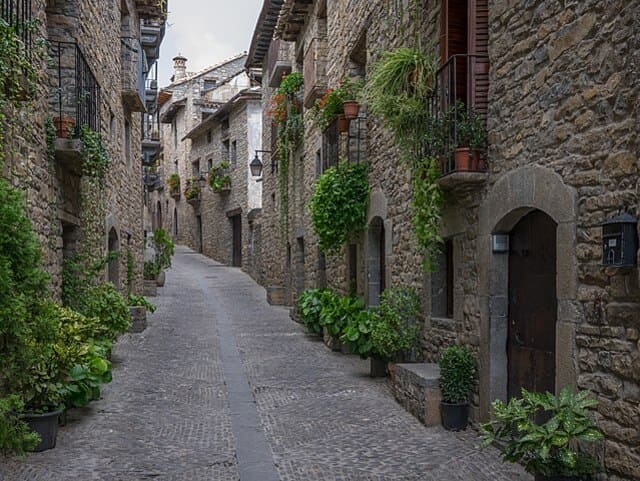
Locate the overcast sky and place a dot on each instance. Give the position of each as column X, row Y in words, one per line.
column 206, row 32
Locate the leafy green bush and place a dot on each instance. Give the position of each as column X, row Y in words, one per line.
column 309, row 307
column 106, row 303
column 218, row 177
column 339, row 204
column 396, row 328
column 84, row 379
column 164, row 248
column 15, row 435
column 338, row 311
column 357, row 333
column 457, row 374
column 150, row 270
column 549, row 447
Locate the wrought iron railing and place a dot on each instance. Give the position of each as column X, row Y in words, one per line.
column 460, row 94
column 75, row 92
column 134, row 66
column 353, row 146
column 18, row 14
column 151, row 127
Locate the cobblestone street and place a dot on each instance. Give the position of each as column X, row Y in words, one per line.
column 221, row 386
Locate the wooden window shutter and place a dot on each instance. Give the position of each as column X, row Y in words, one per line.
column 479, row 45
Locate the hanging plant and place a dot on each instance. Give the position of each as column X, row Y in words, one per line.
column 286, row 114
column 219, row 180
column 94, row 157
column 173, row 181
column 401, row 84
column 339, row 204
column 331, row 104
column 192, row 189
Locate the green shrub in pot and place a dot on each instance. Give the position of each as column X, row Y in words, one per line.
column 457, row 376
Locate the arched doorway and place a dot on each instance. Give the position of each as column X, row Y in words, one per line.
column 159, row 216
column 531, row 338
column 376, row 265
column 114, row 263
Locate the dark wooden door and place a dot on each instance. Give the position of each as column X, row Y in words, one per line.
column 532, row 305
column 236, row 227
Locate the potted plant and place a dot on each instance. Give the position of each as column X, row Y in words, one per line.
column 457, row 375
column 542, row 432
column 192, row 190
column 150, row 274
column 65, row 124
column 336, row 313
column 395, row 329
column 351, row 89
column 164, row 250
column 138, row 307
column 219, row 180
column 470, row 137
column 309, row 307
column 173, row 181
column 327, row 108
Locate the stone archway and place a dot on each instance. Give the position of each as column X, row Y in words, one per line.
column 511, row 198
column 114, row 263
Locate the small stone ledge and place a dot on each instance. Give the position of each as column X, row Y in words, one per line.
column 462, row 180
column 416, row 388
column 69, row 154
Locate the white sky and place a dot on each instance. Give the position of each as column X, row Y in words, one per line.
column 206, row 32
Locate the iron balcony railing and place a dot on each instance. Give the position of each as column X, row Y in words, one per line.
column 18, row 14
column 460, row 92
column 75, row 92
column 150, row 133
column 353, row 146
column 134, row 67
column 153, row 178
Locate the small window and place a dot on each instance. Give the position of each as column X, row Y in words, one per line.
column 127, row 142
column 195, row 168
column 174, row 129
column 209, row 164
column 112, row 126
column 442, row 282
column 209, row 136
column 234, row 153
column 225, row 150
column 210, row 84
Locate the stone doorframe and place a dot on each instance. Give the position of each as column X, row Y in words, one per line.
column 377, row 209
column 512, row 197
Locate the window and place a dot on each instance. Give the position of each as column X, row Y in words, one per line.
column 225, row 150
column 112, row 125
column 210, row 83
column 174, row 130
column 127, row 142
column 442, row 282
column 209, row 136
column 234, row 153
column 209, row 164
column 195, row 168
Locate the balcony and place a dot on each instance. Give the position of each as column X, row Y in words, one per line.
column 153, row 179
column 459, row 111
column 151, row 90
column 17, row 14
column 150, row 138
column 133, row 63
column 151, row 9
column 151, row 36
column 278, row 62
column 351, row 145
column 74, row 101
column 314, row 70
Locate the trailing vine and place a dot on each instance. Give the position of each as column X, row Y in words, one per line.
column 339, row 204
column 286, row 114
column 50, row 135
column 94, row 156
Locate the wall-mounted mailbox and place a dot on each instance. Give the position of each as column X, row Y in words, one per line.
column 500, row 243
column 620, row 241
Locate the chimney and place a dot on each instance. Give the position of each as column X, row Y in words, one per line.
column 179, row 67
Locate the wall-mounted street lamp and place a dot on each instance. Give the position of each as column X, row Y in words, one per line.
column 256, row 165
column 202, row 180
column 620, row 240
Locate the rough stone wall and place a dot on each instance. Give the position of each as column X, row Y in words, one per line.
column 50, row 190
column 177, row 158
column 575, row 112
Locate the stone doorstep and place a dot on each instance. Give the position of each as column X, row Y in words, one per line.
column 416, row 388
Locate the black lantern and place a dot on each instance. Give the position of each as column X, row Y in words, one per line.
column 256, row 165
column 202, row 180
column 620, row 241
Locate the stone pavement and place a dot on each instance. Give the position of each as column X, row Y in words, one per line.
column 221, row 386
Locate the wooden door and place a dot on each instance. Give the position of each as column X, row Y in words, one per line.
column 532, row 305
column 236, row 227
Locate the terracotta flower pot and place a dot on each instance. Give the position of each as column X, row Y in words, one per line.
column 351, row 109
column 467, row 160
column 343, row 123
column 64, row 126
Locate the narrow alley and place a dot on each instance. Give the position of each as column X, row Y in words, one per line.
column 221, row 386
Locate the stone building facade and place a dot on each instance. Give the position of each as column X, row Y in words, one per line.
column 94, row 76
column 184, row 104
column 232, row 135
column 521, row 265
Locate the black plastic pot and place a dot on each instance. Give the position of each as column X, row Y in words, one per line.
column 455, row 416
column 46, row 425
column 378, row 367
